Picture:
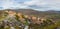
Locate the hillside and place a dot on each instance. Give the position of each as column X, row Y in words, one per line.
column 40, row 19
column 46, row 14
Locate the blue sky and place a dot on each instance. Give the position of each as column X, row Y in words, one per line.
column 40, row 5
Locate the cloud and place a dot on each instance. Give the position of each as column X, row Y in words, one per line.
column 44, row 4
column 41, row 5
column 35, row 2
column 12, row 4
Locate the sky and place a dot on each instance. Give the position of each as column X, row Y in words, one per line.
column 40, row 5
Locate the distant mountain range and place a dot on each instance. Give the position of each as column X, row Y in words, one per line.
column 48, row 14
column 33, row 12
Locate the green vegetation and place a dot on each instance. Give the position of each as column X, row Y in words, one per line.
column 49, row 23
column 51, row 26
